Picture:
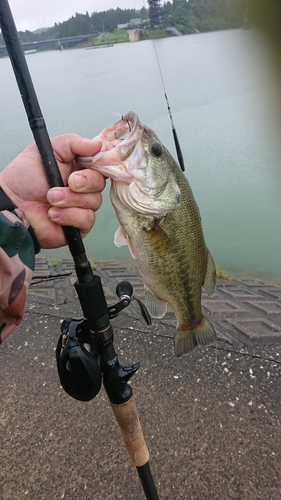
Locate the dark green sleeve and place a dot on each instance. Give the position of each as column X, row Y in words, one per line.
column 17, row 260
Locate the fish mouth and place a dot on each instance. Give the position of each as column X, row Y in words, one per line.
column 125, row 128
column 118, row 143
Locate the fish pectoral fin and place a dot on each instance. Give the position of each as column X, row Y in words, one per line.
column 186, row 340
column 209, row 284
column 156, row 307
column 120, row 237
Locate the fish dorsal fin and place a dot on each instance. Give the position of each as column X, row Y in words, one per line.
column 209, row 284
column 156, row 307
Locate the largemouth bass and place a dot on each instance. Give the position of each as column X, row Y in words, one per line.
column 161, row 224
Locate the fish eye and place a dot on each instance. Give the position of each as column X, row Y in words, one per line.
column 156, row 149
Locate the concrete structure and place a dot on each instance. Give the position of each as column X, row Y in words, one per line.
column 173, row 31
column 134, row 35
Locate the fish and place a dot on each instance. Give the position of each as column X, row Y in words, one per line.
column 161, row 224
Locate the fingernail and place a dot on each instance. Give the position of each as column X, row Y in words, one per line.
column 80, row 181
column 54, row 213
column 57, row 195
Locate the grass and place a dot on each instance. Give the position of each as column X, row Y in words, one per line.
column 120, row 36
column 152, row 34
column 55, row 262
column 93, row 264
column 222, row 274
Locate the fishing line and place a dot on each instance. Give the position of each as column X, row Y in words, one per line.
column 176, row 140
column 177, row 144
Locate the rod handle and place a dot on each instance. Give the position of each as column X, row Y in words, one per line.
column 127, row 418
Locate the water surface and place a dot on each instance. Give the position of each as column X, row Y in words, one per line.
column 221, row 91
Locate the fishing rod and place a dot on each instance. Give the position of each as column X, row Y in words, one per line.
column 86, row 344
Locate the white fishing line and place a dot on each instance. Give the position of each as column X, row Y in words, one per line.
column 119, row 115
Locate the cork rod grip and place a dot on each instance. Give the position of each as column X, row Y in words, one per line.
column 127, row 417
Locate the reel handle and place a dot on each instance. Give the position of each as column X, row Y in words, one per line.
column 124, row 289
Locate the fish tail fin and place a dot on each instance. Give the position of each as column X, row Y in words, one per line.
column 186, row 340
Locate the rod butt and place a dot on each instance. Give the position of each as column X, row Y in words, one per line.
column 147, row 482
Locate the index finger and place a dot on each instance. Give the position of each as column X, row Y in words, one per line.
column 66, row 147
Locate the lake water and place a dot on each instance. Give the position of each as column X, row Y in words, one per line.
column 221, row 91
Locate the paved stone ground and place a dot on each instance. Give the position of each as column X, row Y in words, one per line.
column 246, row 312
column 211, row 420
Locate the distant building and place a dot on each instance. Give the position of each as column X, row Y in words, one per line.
column 135, row 22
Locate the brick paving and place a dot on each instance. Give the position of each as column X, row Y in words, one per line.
column 245, row 312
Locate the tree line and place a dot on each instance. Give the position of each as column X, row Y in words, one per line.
column 204, row 15
column 185, row 16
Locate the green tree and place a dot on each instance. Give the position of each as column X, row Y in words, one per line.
column 111, row 20
column 167, row 14
column 154, row 13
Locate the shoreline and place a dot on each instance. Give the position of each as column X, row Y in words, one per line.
column 223, row 273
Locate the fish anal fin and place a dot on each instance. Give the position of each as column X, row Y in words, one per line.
column 156, row 307
column 187, row 339
column 209, row 284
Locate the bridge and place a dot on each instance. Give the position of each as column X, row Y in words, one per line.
column 50, row 43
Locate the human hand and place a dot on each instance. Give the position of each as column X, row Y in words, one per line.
column 24, row 182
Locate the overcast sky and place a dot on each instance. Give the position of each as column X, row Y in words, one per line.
column 33, row 14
